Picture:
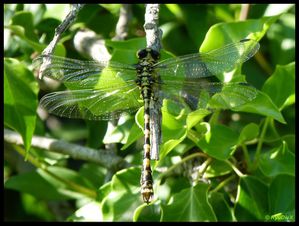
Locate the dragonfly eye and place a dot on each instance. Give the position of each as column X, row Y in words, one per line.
column 142, row 53
column 155, row 55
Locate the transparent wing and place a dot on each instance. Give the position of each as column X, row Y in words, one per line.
column 202, row 65
column 104, row 104
column 83, row 74
column 195, row 94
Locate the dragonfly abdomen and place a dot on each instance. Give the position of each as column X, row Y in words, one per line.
column 146, row 173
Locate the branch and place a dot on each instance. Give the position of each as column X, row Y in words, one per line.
column 122, row 26
column 102, row 157
column 89, row 44
column 153, row 40
column 69, row 19
column 153, row 32
column 244, row 11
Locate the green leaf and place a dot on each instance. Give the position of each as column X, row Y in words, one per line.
column 96, row 132
column 119, row 133
column 220, row 142
column 133, row 44
column 282, row 197
column 252, row 200
column 224, row 33
column 94, row 173
column 62, row 176
column 282, row 39
column 279, row 160
column 190, row 204
column 281, row 85
column 220, row 207
column 57, row 11
column 124, row 196
column 174, row 129
column 262, row 105
column 217, row 168
column 20, row 99
column 146, row 213
column 36, row 185
column 20, row 31
column 89, row 212
column 249, row 132
column 25, row 20
column 196, row 116
column 134, row 134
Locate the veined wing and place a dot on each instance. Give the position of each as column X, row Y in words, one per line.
column 84, row 74
column 214, row 62
column 93, row 104
column 194, row 94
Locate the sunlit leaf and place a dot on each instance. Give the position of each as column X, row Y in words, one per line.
column 20, row 99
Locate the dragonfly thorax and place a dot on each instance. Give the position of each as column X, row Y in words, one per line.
column 145, row 71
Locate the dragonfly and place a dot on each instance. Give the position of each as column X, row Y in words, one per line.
column 105, row 90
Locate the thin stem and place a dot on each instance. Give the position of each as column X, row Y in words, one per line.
column 194, row 155
column 237, row 171
column 223, row 183
column 260, row 143
column 214, row 118
column 260, row 58
column 205, row 165
column 49, row 50
column 246, row 155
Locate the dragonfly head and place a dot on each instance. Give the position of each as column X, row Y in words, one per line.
column 148, row 53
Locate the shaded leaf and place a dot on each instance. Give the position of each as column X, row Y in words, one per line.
column 190, row 204
column 220, row 207
column 252, row 200
column 282, row 197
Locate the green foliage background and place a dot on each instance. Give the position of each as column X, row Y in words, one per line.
column 243, row 159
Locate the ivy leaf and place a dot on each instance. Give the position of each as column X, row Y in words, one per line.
column 282, row 197
column 252, row 200
column 124, row 196
column 262, row 105
column 281, row 85
column 279, row 160
column 189, row 204
column 222, row 33
column 220, row 206
column 220, row 142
